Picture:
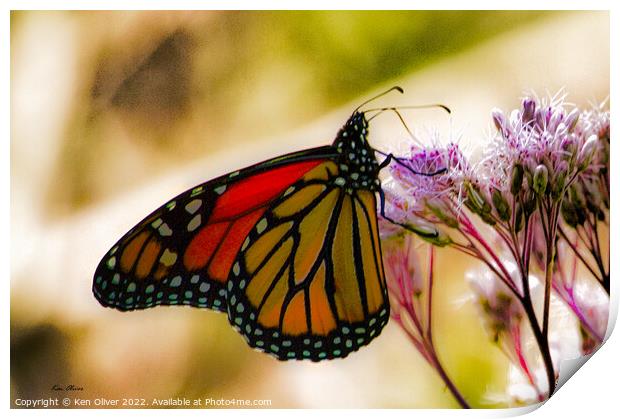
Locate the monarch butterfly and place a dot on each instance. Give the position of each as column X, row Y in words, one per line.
column 289, row 248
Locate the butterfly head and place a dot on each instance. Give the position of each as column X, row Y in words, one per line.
column 357, row 163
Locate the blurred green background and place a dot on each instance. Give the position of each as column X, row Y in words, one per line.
column 112, row 113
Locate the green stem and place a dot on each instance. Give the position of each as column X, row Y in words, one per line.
column 552, row 223
column 548, row 213
column 548, row 282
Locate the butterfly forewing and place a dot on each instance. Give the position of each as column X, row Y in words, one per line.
column 182, row 253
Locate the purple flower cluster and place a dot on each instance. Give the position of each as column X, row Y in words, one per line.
column 534, row 206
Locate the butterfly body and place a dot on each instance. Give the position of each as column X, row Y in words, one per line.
column 288, row 248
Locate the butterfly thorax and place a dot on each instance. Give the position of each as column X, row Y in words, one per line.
column 357, row 163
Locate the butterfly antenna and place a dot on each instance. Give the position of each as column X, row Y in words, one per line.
column 397, row 88
column 402, row 120
column 395, row 109
column 428, row 106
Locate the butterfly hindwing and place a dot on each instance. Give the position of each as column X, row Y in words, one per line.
column 308, row 282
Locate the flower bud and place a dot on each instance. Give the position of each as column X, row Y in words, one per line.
column 516, row 179
column 519, row 219
column 568, row 144
column 422, row 229
column 569, row 147
column 441, row 213
column 529, row 107
column 471, row 206
column 474, row 196
column 569, row 213
column 587, row 151
column 498, row 119
column 479, row 204
column 529, row 205
column 577, row 196
column 501, row 205
column 541, row 176
column 487, row 218
column 572, row 119
column 429, row 233
column 553, row 125
column 557, row 187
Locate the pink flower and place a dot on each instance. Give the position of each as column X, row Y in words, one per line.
column 545, row 134
column 546, row 161
column 422, row 189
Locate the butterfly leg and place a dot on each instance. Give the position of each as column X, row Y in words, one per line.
column 408, row 227
column 386, row 162
column 382, row 211
column 389, row 157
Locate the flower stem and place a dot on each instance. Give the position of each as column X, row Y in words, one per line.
column 585, row 323
column 448, row 382
column 552, row 223
column 548, row 281
column 577, row 253
column 541, row 339
column 473, row 232
column 430, row 345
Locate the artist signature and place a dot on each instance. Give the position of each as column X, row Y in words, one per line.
column 70, row 387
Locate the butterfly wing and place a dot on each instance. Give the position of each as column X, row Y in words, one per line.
column 182, row 253
column 289, row 248
column 308, row 282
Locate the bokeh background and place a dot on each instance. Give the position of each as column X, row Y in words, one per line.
column 112, row 113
